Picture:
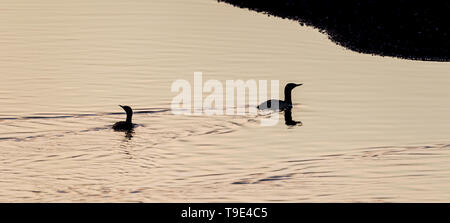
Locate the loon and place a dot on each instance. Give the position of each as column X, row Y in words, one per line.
column 125, row 125
column 283, row 105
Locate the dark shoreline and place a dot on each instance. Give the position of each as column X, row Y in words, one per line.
column 397, row 28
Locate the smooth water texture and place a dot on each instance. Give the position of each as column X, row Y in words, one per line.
column 374, row 128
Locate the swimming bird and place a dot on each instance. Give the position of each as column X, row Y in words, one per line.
column 125, row 125
column 282, row 105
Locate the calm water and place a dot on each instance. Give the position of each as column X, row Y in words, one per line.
column 374, row 128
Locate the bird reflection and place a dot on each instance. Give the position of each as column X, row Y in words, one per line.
column 129, row 134
column 288, row 119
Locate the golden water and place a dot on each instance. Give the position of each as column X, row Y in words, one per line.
column 374, row 128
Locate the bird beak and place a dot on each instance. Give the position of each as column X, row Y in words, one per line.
column 298, row 85
column 121, row 106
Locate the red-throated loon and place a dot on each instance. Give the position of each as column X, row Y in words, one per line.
column 282, row 105
column 125, row 125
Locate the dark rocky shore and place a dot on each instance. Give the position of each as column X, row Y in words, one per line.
column 398, row 28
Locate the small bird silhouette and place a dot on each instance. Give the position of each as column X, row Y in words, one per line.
column 125, row 125
column 280, row 105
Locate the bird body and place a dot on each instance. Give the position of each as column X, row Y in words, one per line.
column 125, row 125
column 280, row 105
column 275, row 105
column 118, row 126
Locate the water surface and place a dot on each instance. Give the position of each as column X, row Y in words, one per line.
column 374, row 128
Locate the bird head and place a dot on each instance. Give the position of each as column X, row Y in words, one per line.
column 127, row 109
column 291, row 86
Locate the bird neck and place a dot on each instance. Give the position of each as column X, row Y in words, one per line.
column 287, row 96
column 288, row 116
column 129, row 116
